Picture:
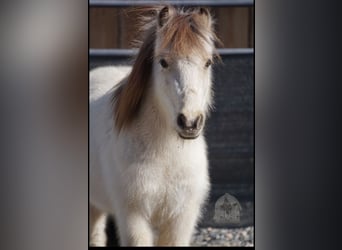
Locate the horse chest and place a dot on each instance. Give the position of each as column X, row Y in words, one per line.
column 159, row 178
column 165, row 181
column 162, row 192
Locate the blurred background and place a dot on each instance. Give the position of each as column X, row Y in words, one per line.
column 44, row 99
column 230, row 128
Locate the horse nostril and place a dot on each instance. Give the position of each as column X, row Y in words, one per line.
column 198, row 122
column 181, row 121
column 186, row 124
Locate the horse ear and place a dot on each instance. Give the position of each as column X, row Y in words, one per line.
column 164, row 15
column 204, row 11
column 205, row 14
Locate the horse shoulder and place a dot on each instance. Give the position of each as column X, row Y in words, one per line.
column 101, row 83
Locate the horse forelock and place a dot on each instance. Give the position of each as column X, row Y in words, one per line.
column 187, row 32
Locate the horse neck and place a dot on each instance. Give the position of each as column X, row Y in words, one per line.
column 152, row 119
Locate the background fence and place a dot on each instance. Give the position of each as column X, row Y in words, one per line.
column 115, row 28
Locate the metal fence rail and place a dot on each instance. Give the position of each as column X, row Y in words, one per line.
column 122, row 3
column 130, row 52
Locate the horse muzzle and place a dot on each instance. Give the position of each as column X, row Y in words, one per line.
column 189, row 129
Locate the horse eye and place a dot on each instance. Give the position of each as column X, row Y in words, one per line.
column 208, row 63
column 163, row 63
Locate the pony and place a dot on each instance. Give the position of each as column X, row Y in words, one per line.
column 148, row 159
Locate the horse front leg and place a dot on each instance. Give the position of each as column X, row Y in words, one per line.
column 135, row 230
column 179, row 230
column 97, row 225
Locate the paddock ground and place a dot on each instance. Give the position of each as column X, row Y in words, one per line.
column 223, row 237
column 210, row 236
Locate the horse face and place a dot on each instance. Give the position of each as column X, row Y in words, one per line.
column 184, row 88
column 182, row 68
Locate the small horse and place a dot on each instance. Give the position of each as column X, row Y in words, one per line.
column 148, row 155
